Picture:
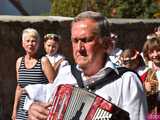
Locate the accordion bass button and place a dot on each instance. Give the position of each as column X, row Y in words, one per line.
column 87, row 87
column 92, row 81
column 89, row 90
column 109, row 98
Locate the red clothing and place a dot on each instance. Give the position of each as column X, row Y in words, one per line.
column 143, row 76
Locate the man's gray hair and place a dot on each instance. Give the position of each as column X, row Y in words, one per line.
column 102, row 22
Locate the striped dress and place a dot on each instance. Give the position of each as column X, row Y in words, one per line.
column 33, row 75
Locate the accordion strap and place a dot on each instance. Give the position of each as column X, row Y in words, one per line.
column 110, row 76
column 77, row 74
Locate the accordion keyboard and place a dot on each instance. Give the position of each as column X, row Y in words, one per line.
column 73, row 103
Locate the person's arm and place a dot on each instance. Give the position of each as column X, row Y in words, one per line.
column 18, row 91
column 16, row 100
column 57, row 65
column 48, row 69
column 134, row 99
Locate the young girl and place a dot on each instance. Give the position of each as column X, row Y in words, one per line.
column 51, row 47
column 151, row 51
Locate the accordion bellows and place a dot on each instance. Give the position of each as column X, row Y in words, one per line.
column 74, row 103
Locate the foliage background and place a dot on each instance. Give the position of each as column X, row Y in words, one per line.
column 110, row 8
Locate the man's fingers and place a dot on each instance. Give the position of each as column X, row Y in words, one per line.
column 38, row 111
column 38, row 115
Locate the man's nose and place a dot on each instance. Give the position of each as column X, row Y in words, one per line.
column 80, row 45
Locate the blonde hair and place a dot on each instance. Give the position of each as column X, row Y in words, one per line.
column 33, row 32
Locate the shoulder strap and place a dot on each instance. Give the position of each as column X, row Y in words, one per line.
column 77, row 74
column 21, row 61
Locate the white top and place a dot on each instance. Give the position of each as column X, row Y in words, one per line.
column 126, row 92
column 55, row 58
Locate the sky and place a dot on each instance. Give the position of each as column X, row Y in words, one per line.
column 33, row 7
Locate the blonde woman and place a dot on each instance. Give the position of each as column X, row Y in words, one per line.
column 30, row 70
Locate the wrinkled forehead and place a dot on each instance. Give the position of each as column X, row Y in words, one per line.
column 85, row 25
column 85, row 21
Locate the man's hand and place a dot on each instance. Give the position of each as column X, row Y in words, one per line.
column 38, row 111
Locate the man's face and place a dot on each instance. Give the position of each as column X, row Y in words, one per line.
column 87, row 47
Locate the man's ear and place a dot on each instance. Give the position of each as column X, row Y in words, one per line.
column 106, row 43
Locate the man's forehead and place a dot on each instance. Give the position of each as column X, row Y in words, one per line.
column 85, row 21
column 86, row 24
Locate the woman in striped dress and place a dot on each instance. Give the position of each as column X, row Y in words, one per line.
column 30, row 70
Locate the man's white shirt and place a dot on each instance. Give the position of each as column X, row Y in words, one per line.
column 126, row 92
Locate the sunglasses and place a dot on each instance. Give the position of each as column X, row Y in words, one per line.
column 126, row 62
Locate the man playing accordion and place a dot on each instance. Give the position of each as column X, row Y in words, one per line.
column 89, row 36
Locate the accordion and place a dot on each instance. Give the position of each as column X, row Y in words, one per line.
column 74, row 103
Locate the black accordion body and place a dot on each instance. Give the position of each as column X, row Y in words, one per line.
column 74, row 103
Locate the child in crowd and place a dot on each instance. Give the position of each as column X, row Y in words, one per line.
column 131, row 58
column 51, row 47
column 151, row 51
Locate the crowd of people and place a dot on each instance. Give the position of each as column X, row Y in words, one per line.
column 135, row 90
column 147, row 65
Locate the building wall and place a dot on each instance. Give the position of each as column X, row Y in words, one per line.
column 131, row 32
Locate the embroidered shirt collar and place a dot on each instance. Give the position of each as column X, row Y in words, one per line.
column 100, row 74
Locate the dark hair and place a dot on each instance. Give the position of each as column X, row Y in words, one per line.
column 131, row 55
column 102, row 22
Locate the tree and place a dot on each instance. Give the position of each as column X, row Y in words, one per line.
column 110, row 8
